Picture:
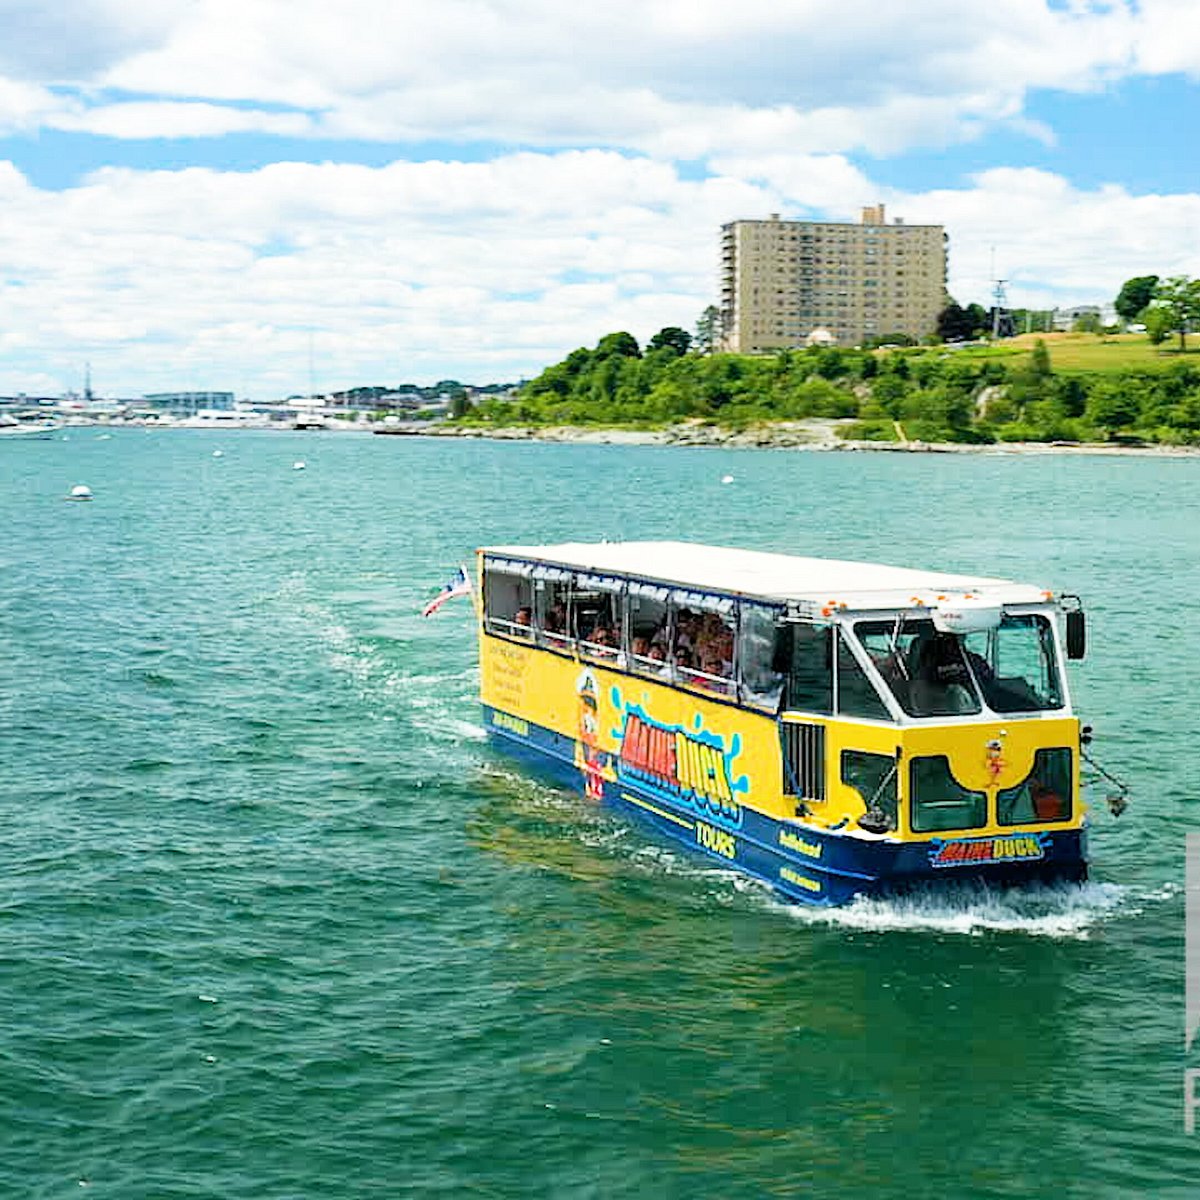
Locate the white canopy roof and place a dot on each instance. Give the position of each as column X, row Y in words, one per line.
column 821, row 582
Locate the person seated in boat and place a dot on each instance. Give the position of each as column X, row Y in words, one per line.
column 656, row 658
column 554, row 625
column 716, row 672
column 687, row 629
column 684, row 665
column 523, row 620
column 941, row 683
column 602, row 642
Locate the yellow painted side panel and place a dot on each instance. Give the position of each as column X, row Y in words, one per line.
column 552, row 690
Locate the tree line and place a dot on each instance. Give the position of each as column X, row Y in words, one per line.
column 925, row 394
column 1164, row 306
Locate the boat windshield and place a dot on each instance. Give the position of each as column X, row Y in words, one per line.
column 1011, row 668
column 1016, row 665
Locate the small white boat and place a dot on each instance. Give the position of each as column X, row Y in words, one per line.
column 80, row 491
column 25, row 431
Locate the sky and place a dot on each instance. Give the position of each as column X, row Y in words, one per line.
column 270, row 196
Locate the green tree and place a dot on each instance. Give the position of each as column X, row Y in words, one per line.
column 1112, row 405
column 1039, row 361
column 623, row 345
column 1179, row 298
column 671, row 337
column 1134, row 295
column 1071, row 396
column 954, row 323
column 1158, row 324
column 981, row 323
column 708, row 330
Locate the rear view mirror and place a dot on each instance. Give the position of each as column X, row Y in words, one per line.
column 1076, row 634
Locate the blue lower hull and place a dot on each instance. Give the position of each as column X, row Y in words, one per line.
column 808, row 865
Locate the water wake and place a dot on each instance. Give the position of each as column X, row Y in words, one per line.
column 1046, row 910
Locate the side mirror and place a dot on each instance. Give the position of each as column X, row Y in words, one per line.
column 1076, row 634
column 781, row 660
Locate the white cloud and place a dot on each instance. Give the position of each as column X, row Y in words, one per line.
column 172, row 119
column 216, row 279
column 207, row 278
column 651, row 75
column 484, row 271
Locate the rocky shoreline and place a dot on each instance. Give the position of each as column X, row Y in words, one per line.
column 821, row 436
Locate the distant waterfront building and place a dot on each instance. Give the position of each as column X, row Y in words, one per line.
column 783, row 280
column 188, row 404
column 1065, row 319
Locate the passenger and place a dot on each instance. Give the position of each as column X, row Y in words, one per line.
column 524, row 621
column 718, row 672
column 554, row 627
column 640, row 647
column 657, row 655
column 602, row 642
column 683, row 666
column 687, row 629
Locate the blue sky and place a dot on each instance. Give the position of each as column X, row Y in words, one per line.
column 194, row 193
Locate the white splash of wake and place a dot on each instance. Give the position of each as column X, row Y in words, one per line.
column 1062, row 911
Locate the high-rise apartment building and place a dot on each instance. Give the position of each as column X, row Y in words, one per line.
column 784, row 281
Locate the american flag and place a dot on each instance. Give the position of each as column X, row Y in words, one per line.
column 459, row 585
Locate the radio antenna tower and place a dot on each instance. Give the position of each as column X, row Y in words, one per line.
column 1002, row 319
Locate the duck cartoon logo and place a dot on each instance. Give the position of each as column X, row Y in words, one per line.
column 692, row 767
column 589, row 755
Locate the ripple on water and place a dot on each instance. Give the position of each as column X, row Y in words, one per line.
column 275, row 923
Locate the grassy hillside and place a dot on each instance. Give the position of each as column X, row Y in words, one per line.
column 1054, row 387
column 1084, row 352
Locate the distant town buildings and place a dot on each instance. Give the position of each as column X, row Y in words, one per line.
column 188, row 404
column 1102, row 315
column 792, row 283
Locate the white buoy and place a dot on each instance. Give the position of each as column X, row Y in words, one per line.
column 726, row 478
column 80, row 491
column 218, row 453
column 298, row 465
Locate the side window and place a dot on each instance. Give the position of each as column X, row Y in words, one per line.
column 649, row 629
column 508, row 604
column 939, row 801
column 873, row 777
column 761, row 681
column 857, row 696
column 553, row 599
column 703, row 649
column 596, row 617
column 810, row 680
column 1044, row 796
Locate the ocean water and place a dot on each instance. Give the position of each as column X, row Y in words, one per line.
column 275, row 921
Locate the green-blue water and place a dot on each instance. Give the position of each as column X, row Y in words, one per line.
column 275, row 921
